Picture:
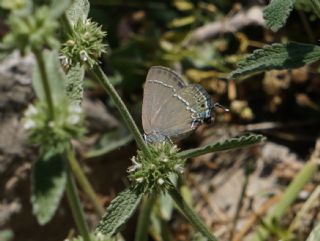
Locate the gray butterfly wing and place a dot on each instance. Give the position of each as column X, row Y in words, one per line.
column 158, row 89
column 187, row 108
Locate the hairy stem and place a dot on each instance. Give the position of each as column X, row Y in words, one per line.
column 191, row 215
column 84, row 183
column 45, row 81
column 77, row 212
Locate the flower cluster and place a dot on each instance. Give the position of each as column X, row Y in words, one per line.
column 31, row 30
column 151, row 175
column 66, row 124
column 85, row 45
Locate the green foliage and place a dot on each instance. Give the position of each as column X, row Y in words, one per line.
column 93, row 237
column 85, row 44
column 48, row 184
column 31, row 30
column 233, row 143
column 277, row 12
column 152, row 175
column 272, row 221
column 74, row 84
column 78, row 11
column 277, row 56
column 67, row 122
column 315, row 234
column 118, row 212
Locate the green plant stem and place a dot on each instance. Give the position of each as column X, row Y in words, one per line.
column 45, row 82
column 103, row 79
column 144, row 218
column 84, row 183
column 312, row 200
column 191, row 215
column 291, row 193
column 76, row 208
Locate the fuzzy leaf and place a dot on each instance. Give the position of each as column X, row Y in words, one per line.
column 315, row 234
column 277, row 56
column 48, row 184
column 118, row 212
column 277, row 12
column 233, row 143
column 58, row 7
column 74, row 83
column 55, row 77
column 78, row 10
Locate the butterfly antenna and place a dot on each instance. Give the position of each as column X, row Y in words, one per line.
column 217, row 105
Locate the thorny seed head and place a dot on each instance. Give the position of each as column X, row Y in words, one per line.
column 85, row 44
column 66, row 124
column 151, row 175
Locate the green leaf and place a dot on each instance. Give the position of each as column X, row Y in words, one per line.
column 315, row 234
column 78, row 10
column 277, row 56
column 48, row 184
column 233, row 143
column 94, row 237
column 58, row 7
column 74, row 83
column 56, row 78
column 277, row 12
column 118, row 212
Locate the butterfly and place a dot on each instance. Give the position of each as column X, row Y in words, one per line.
column 171, row 108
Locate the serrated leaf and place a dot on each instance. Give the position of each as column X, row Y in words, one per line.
column 118, row 212
column 74, row 83
column 78, row 10
column 277, row 12
column 48, row 184
column 315, row 234
column 55, row 74
column 94, row 237
column 277, row 56
column 58, row 7
column 233, row 143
